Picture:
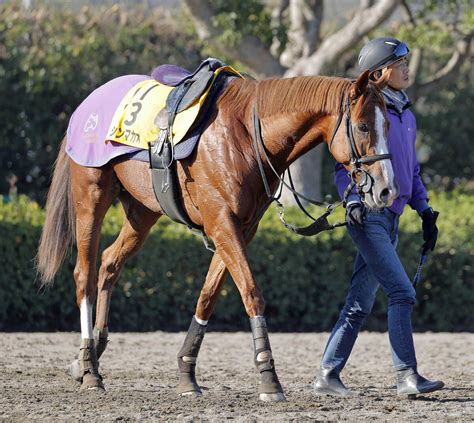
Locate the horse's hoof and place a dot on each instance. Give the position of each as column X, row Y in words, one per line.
column 275, row 397
column 189, row 390
column 92, row 382
column 75, row 370
column 188, row 386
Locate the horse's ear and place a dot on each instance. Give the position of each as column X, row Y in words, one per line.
column 360, row 85
column 382, row 82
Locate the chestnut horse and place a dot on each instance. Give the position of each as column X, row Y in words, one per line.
column 221, row 190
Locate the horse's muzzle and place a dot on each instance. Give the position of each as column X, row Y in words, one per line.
column 384, row 196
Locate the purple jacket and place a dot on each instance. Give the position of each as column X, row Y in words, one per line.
column 401, row 143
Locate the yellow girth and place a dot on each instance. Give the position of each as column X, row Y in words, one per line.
column 133, row 121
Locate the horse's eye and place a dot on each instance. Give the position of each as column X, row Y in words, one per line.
column 363, row 127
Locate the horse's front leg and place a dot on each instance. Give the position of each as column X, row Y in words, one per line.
column 231, row 247
column 188, row 353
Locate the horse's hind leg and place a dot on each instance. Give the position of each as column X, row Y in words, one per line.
column 93, row 190
column 187, row 356
column 137, row 223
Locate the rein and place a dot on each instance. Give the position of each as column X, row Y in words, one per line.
column 320, row 224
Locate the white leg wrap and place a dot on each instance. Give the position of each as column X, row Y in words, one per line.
column 201, row 322
column 86, row 319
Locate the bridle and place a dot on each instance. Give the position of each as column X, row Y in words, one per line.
column 364, row 185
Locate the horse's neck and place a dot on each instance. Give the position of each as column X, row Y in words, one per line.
column 306, row 117
column 290, row 135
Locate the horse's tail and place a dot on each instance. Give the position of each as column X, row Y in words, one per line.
column 59, row 226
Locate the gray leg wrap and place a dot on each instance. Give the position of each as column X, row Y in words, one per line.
column 86, row 366
column 89, row 366
column 101, row 337
column 187, row 358
column 269, row 382
column 261, row 344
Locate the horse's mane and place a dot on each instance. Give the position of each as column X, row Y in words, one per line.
column 316, row 94
column 306, row 93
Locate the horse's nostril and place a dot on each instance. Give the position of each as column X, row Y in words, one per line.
column 384, row 195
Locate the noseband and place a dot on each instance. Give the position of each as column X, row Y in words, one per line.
column 364, row 186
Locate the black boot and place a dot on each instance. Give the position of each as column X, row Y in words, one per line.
column 328, row 382
column 409, row 382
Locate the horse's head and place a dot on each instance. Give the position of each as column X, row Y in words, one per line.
column 360, row 142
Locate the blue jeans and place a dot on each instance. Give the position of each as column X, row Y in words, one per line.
column 377, row 263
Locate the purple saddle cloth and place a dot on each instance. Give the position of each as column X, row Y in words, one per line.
column 88, row 126
column 87, row 138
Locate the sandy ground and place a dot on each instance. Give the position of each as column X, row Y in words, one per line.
column 140, row 374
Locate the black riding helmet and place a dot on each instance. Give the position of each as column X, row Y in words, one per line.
column 381, row 52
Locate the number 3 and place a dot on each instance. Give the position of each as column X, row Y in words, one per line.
column 133, row 114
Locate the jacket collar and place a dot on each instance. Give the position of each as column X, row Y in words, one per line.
column 397, row 100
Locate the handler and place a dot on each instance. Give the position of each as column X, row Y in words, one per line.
column 375, row 234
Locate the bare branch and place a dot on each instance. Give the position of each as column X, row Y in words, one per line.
column 364, row 20
column 303, row 34
column 416, row 58
column 365, row 4
column 277, row 9
column 313, row 12
column 449, row 71
column 408, row 13
column 416, row 54
column 250, row 50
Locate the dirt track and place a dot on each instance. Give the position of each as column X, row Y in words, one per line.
column 140, row 375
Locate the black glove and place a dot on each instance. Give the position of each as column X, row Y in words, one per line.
column 355, row 214
column 430, row 230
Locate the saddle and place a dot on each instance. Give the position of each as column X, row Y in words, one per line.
column 209, row 78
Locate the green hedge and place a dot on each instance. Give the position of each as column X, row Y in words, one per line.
column 304, row 280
